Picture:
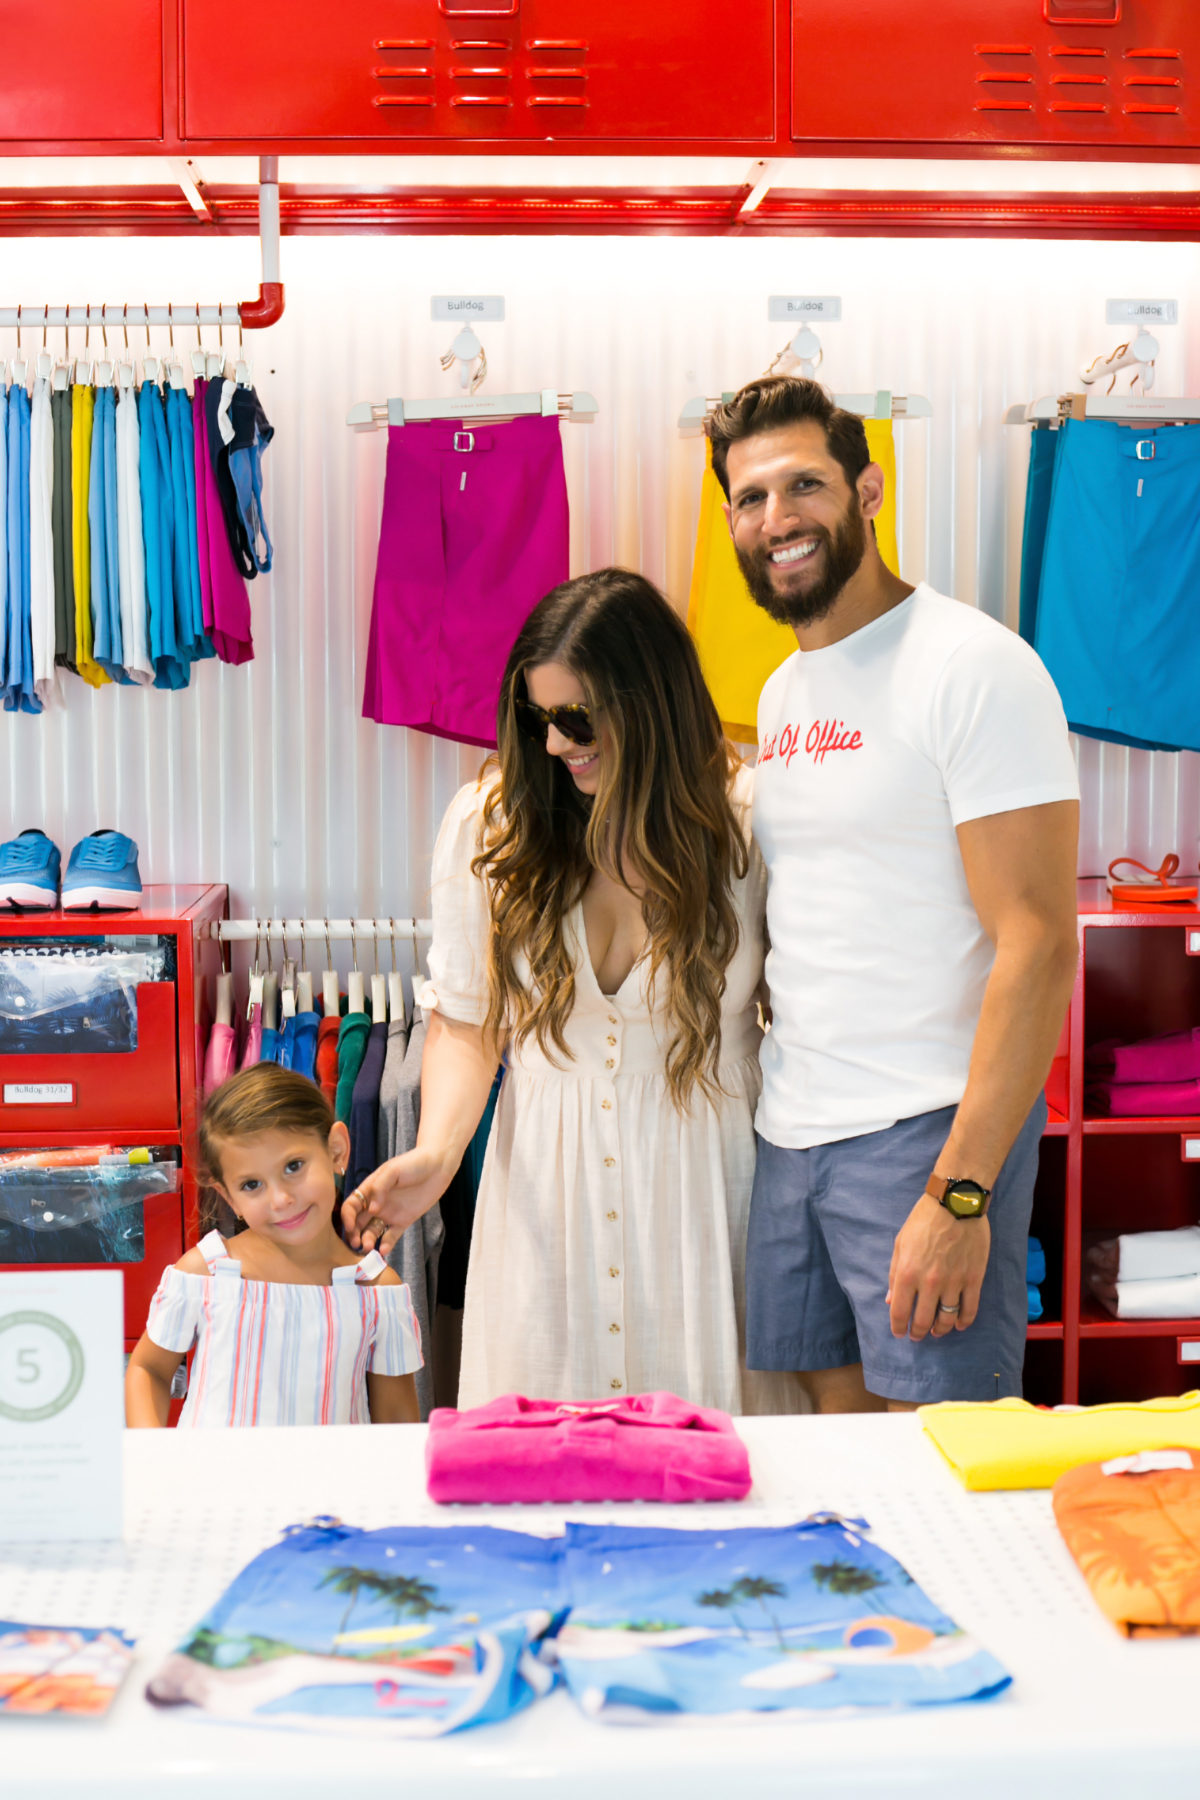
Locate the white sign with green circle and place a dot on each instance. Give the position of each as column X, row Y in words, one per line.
column 41, row 1365
column 61, row 1413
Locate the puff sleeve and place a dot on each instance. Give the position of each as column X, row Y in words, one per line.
column 173, row 1322
column 458, row 985
column 396, row 1349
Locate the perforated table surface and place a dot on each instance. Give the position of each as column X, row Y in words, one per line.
column 1088, row 1713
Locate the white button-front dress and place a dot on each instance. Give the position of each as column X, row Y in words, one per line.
column 607, row 1256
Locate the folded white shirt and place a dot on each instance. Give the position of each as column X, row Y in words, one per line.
column 1152, row 1255
column 1174, row 1297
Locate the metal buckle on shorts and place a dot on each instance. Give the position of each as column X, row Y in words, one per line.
column 470, row 441
column 1144, row 449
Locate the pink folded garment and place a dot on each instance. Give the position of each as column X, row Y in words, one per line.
column 1172, row 1058
column 643, row 1447
column 1143, row 1099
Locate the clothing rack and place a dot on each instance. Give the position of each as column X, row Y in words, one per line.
column 251, row 314
column 882, row 404
column 580, row 408
column 1128, row 409
column 232, row 931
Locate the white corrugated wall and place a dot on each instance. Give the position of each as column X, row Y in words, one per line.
column 266, row 776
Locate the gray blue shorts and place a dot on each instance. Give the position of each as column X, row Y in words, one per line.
column 822, row 1226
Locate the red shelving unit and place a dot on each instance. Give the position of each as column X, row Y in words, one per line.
column 148, row 1096
column 1138, row 976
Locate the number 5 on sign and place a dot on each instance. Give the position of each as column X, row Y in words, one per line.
column 60, row 1405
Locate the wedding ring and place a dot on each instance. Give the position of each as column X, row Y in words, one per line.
column 942, row 1307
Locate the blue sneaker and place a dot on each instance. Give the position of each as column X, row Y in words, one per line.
column 29, row 871
column 102, row 871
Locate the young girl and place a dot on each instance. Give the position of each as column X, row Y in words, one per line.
column 288, row 1325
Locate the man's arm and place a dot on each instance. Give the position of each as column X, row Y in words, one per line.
column 1020, row 869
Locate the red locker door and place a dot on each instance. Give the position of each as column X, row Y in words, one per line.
column 486, row 69
column 71, row 71
column 1047, row 72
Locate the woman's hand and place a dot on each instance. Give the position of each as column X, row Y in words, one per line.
column 393, row 1198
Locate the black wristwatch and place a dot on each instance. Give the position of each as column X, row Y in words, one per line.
column 963, row 1198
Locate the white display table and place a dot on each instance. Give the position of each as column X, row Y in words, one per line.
column 1089, row 1714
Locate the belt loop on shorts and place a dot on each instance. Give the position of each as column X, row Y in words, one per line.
column 1144, row 449
column 470, row 441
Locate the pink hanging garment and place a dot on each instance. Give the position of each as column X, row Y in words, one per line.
column 641, row 1447
column 221, row 1057
column 474, row 533
column 1172, row 1058
column 252, row 1050
column 200, row 458
column 224, row 601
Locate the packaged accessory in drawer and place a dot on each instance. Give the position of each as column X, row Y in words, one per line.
column 88, row 1035
column 94, row 1206
column 56, row 1213
column 74, row 998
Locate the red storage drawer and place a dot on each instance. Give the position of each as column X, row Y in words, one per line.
column 522, row 69
column 75, row 72
column 136, row 1090
column 164, row 1244
column 127, row 1218
column 1045, row 72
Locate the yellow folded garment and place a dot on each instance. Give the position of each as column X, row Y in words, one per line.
column 1010, row 1444
column 738, row 643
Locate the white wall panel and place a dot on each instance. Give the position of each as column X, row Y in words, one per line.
column 268, row 778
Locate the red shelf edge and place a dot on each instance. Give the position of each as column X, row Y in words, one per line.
column 1151, row 1127
column 1094, row 1322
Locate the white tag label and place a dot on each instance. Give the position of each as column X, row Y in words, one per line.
column 782, row 307
column 1189, row 1350
column 1191, row 1149
column 1141, row 312
column 1193, row 947
column 39, row 1093
column 1146, row 1462
column 460, row 307
column 61, row 1415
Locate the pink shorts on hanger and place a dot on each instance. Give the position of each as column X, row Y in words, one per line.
column 474, row 532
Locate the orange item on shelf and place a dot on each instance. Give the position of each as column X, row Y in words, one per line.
column 1156, row 889
column 79, row 1156
column 1135, row 1533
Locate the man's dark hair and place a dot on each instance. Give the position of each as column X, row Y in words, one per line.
column 774, row 401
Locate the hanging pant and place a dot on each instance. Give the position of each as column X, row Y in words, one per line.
column 474, row 533
column 1116, row 604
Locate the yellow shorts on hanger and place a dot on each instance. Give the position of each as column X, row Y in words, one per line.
column 83, row 401
column 739, row 644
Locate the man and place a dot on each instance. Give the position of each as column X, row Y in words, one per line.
column 917, row 806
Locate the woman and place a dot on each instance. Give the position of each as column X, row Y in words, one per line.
column 597, row 911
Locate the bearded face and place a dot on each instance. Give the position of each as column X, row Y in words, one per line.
column 798, row 580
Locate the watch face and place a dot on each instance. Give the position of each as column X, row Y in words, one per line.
column 965, row 1199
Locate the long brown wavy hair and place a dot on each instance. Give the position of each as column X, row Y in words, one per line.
column 661, row 823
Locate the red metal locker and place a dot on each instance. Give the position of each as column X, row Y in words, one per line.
column 511, row 69
column 71, row 71
column 1024, row 72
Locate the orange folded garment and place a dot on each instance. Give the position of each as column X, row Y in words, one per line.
column 1135, row 1533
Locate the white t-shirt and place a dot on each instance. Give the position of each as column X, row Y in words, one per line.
column 871, row 752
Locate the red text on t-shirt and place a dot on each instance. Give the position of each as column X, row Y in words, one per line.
column 822, row 736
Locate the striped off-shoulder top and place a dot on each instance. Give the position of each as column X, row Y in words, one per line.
column 275, row 1353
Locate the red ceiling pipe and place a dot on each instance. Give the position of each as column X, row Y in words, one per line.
column 268, row 308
